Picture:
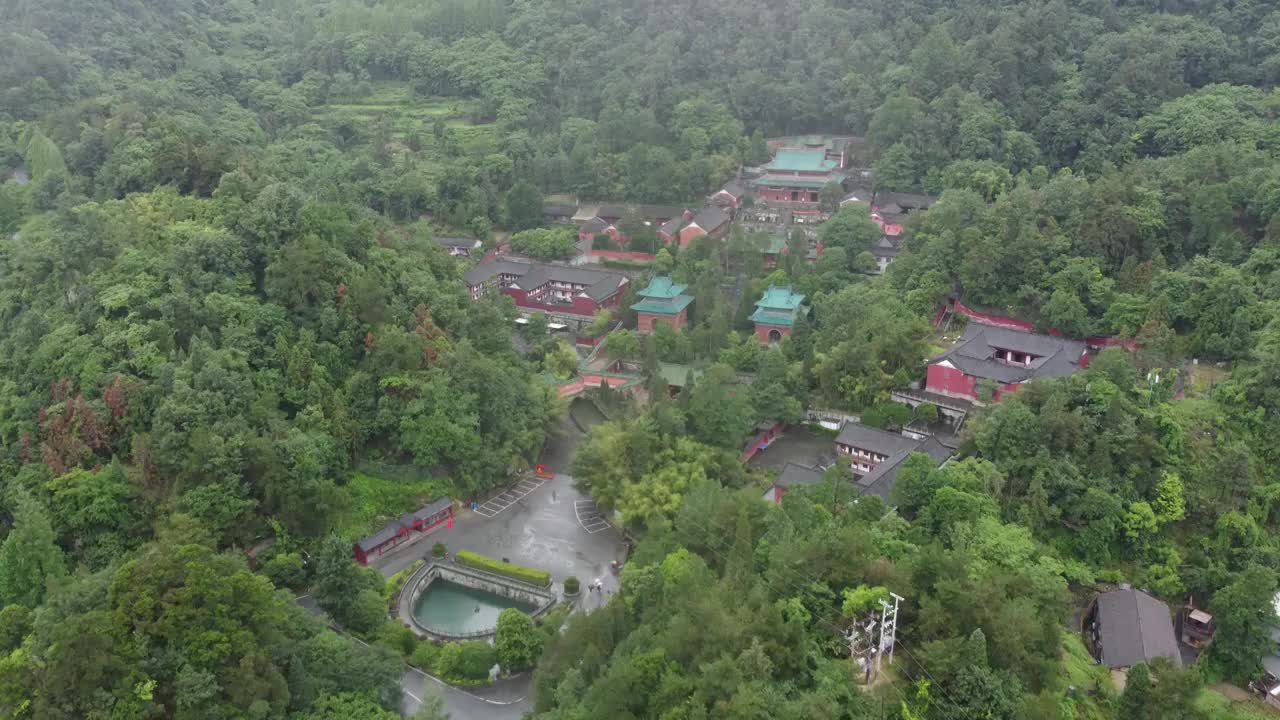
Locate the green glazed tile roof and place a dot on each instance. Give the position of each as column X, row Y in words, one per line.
column 662, row 287
column 801, row 161
column 776, row 298
column 815, row 183
column 773, row 317
column 779, row 306
column 669, row 306
column 675, row 374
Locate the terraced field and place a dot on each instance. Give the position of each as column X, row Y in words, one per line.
column 409, row 117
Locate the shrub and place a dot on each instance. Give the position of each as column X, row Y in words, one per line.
column 367, row 613
column 15, row 623
column 571, row 585
column 425, row 656
column 518, row 642
column 285, row 570
column 398, row 637
column 438, row 550
column 395, row 583
column 541, row 578
column 468, row 660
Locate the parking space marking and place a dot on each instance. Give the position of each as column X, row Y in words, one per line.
column 589, row 517
column 512, row 495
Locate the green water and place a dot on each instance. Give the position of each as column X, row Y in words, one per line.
column 451, row 608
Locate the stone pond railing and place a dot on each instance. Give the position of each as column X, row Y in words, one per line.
column 540, row 598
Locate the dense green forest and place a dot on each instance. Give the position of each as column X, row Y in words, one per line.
column 223, row 318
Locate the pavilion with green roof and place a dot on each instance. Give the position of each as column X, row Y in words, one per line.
column 663, row 300
column 776, row 313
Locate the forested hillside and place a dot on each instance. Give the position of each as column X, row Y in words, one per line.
column 223, row 318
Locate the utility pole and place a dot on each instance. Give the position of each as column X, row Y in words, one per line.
column 888, row 628
column 861, row 639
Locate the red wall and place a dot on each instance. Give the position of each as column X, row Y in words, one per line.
column 623, row 255
column 724, row 198
column 645, row 321
column 580, row 306
column 762, row 331
column 689, row 233
column 954, row 383
column 783, row 194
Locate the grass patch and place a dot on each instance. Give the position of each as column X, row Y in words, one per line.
column 1217, row 706
column 375, row 500
column 541, row 578
column 1092, row 681
column 1203, row 377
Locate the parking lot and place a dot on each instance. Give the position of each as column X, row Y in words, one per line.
column 589, row 516
column 495, row 505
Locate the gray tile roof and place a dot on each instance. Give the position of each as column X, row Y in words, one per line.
column 595, row 226
column 599, row 284
column 710, row 218
column 646, row 212
column 885, row 248
column 881, row 442
column 793, row 475
column 432, row 509
column 880, row 482
column 975, row 354
column 486, row 271
column 1134, row 627
column 734, row 188
column 906, row 202
column 389, row 531
column 459, row 242
column 672, row 226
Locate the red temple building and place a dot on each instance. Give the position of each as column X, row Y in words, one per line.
column 663, row 301
column 556, row 289
column 776, row 313
column 890, row 210
column 403, row 529
column 796, row 175
column 730, row 196
column 711, row 221
column 1002, row 360
column 604, row 219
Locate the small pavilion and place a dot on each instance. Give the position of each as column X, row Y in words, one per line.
column 662, row 301
column 776, row 314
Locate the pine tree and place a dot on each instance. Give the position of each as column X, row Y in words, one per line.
column 29, row 558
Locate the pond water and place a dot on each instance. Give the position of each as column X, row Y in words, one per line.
column 453, row 609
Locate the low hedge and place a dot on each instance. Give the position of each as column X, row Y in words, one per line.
column 541, row 578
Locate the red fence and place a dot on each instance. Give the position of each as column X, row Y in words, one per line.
column 623, row 255
column 1095, row 341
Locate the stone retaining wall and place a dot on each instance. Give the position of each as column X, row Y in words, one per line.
column 541, row 599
